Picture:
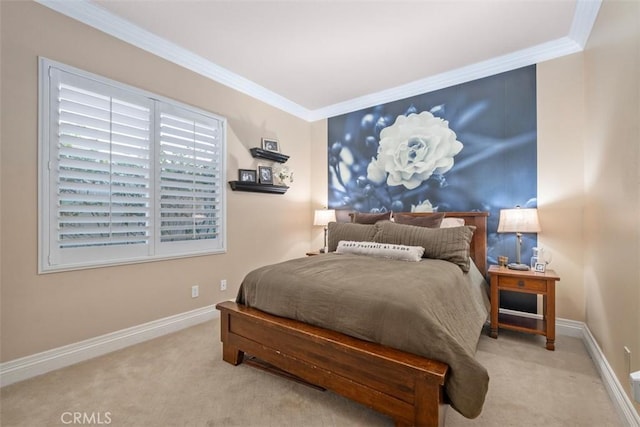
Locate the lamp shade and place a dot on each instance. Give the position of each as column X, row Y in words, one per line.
column 519, row 221
column 324, row 216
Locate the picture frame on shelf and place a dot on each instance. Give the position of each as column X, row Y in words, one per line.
column 270, row 145
column 247, row 175
column 265, row 174
column 540, row 267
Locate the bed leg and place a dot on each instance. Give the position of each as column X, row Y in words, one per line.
column 429, row 409
column 231, row 354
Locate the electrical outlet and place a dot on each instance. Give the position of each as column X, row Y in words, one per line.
column 223, row 284
column 195, row 291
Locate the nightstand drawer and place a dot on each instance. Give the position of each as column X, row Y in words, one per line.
column 528, row 284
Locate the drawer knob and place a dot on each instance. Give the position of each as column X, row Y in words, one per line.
column 521, row 283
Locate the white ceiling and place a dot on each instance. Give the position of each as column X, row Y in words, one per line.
column 317, row 59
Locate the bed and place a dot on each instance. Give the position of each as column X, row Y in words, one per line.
column 397, row 380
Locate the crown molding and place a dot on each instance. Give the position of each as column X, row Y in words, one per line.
column 583, row 20
column 105, row 21
column 96, row 17
column 501, row 64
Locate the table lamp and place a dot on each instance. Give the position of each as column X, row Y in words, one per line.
column 323, row 217
column 518, row 221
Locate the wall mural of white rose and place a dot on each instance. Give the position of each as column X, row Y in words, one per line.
column 413, row 149
column 468, row 147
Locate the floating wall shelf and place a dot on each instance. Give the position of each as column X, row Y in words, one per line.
column 259, row 153
column 255, row 187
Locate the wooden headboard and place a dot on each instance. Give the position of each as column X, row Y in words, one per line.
column 478, row 247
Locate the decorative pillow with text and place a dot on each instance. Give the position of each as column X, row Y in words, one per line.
column 383, row 250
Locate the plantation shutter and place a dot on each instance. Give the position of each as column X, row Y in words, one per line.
column 101, row 168
column 125, row 175
column 190, row 177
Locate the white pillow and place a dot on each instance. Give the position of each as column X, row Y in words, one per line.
column 451, row 222
column 384, row 250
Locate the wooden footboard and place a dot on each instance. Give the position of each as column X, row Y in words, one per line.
column 407, row 387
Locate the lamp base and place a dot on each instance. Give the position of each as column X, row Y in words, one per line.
column 515, row 266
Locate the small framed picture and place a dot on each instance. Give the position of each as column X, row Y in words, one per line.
column 540, row 267
column 265, row 174
column 270, row 145
column 247, row 175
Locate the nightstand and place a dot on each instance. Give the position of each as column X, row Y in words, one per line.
column 531, row 282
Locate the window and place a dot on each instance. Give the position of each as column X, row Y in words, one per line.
column 126, row 176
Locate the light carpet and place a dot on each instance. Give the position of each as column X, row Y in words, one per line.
column 181, row 380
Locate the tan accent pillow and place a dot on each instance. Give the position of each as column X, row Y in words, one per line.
column 370, row 218
column 429, row 220
column 449, row 244
column 349, row 231
column 382, row 250
column 452, row 222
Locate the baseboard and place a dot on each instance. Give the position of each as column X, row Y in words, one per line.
column 41, row 363
column 619, row 397
column 566, row 327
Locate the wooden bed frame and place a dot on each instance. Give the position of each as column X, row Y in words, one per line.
column 407, row 387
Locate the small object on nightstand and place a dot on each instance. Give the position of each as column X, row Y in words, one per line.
column 536, row 257
column 531, row 282
column 312, row 253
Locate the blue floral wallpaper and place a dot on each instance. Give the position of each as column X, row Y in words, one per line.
column 464, row 148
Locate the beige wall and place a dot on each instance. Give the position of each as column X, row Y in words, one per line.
column 319, row 174
column 560, row 105
column 612, row 184
column 40, row 312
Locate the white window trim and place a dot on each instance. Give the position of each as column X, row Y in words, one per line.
column 46, row 215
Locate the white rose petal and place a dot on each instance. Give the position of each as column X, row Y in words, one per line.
column 375, row 173
column 346, row 156
column 345, row 171
column 425, row 206
column 412, row 149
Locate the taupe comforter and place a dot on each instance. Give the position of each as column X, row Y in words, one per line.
column 430, row 308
